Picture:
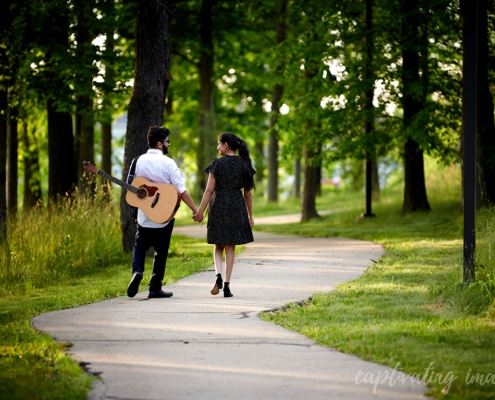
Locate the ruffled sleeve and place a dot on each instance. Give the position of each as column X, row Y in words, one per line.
column 211, row 167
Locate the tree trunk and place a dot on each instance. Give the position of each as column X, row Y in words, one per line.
column 62, row 177
column 12, row 169
column 311, row 186
column 3, row 165
column 485, row 150
column 85, row 123
column 106, row 121
column 415, row 198
column 278, row 91
column 259, row 149
column 151, row 79
column 369, row 108
column 207, row 135
column 312, row 141
column 375, row 180
column 273, row 148
column 297, row 178
column 32, row 182
column 413, row 50
column 106, row 156
column 470, row 42
column 84, row 89
column 5, row 23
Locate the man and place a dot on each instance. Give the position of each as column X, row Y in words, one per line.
column 155, row 166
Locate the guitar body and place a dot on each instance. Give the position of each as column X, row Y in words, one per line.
column 159, row 201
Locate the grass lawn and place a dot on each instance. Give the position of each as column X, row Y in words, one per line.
column 409, row 310
column 57, row 262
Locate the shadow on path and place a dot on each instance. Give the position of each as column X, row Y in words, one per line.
column 198, row 346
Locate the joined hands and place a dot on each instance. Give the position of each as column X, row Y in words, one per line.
column 197, row 217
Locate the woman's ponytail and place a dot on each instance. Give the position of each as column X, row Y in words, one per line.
column 247, row 165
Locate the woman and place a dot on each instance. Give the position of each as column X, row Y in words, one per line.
column 230, row 216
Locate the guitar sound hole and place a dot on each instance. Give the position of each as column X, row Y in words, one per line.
column 142, row 193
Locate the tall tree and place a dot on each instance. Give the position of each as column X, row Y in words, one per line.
column 470, row 107
column 32, row 184
column 12, row 168
column 414, row 46
column 312, row 145
column 207, row 135
column 4, row 28
column 485, row 151
column 147, row 103
column 11, row 114
column 3, row 163
column 62, row 178
column 106, row 114
column 62, row 168
column 371, row 186
column 84, row 115
column 117, row 22
column 278, row 91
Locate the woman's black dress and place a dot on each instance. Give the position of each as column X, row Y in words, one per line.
column 228, row 219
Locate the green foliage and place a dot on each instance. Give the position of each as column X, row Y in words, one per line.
column 321, row 66
column 88, row 47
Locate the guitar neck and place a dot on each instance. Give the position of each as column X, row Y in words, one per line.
column 118, row 181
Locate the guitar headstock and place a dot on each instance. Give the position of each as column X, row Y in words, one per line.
column 90, row 167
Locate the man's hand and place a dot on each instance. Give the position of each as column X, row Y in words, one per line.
column 197, row 217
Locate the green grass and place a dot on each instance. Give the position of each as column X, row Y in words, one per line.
column 409, row 310
column 63, row 259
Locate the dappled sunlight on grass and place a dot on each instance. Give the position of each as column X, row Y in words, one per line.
column 65, row 257
column 411, row 307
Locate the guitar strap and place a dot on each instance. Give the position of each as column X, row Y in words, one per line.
column 130, row 178
column 132, row 170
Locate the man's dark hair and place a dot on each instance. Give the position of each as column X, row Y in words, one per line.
column 157, row 134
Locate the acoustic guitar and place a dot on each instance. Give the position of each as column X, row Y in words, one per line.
column 159, row 201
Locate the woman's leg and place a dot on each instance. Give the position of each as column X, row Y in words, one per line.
column 229, row 261
column 218, row 257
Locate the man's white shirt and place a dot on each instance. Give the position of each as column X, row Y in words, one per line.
column 158, row 168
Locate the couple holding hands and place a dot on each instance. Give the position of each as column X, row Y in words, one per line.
column 227, row 196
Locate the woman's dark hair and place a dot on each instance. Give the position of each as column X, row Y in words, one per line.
column 237, row 144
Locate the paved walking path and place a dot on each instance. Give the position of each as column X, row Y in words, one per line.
column 198, row 346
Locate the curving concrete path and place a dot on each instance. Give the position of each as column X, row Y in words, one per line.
column 198, row 346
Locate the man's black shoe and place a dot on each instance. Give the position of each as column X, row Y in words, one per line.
column 159, row 295
column 133, row 287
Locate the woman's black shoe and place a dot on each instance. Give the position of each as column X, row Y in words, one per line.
column 218, row 285
column 226, row 290
column 219, row 281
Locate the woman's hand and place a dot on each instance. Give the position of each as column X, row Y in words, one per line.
column 197, row 217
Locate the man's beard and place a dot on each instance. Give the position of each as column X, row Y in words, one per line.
column 164, row 149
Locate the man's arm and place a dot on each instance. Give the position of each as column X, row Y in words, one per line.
column 186, row 198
